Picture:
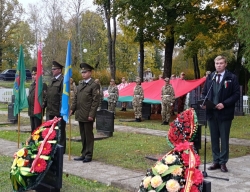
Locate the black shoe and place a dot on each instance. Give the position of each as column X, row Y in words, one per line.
column 223, row 168
column 79, row 158
column 122, row 109
column 86, row 160
column 214, row 166
column 163, row 123
column 139, row 120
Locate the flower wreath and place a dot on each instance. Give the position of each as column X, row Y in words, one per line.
column 177, row 171
column 32, row 162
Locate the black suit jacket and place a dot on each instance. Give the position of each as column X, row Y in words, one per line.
column 229, row 94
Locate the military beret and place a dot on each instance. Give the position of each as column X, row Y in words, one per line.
column 33, row 70
column 86, row 67
column 55, row 64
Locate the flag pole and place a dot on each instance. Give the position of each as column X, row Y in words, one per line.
column 18, row 130
column 69, row 122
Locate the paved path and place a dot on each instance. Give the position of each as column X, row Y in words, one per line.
column 238, row 175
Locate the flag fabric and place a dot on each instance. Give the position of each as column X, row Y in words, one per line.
column 66, row 85
column 19, row 91
column 39, row 84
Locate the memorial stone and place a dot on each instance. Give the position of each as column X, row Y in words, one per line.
column 105, row 122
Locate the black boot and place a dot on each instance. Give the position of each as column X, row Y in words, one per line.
column 139, row 120
column 124, row 109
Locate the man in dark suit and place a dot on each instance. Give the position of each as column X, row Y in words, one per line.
column 54, row 98
column 84, row 106
column 224, row 93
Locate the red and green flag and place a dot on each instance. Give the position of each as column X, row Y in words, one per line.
column 39, row 84
column 19, row 91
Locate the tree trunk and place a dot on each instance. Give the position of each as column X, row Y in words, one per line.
column 113, row 72
column 169, row 47
column 141, row 60
column 196, row 67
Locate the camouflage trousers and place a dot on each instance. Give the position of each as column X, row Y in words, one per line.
column 137, row 110
column 165, row 111
column 111, row 106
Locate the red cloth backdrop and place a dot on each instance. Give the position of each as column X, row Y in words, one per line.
column 152, row 90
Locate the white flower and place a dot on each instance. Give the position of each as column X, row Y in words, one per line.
column 177, row 171
column 172, row 185
column 161, row 168
column 156, row 181
column 146, row 181
column 170, row 159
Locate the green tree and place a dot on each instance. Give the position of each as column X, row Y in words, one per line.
column 10, row 17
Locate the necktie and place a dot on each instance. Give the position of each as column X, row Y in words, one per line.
column 218, row 79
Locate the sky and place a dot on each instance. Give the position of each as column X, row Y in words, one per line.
column 88, row 4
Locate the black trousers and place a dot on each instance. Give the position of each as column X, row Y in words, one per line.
column 35, row 122
column 219, row 131
column 87, row 137
column 62, row 127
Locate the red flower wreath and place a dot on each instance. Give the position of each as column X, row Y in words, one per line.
column 40, row 165
column 46, row 149
column 52, row 135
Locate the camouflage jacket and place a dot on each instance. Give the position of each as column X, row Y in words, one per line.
column 138, row 94
column 167, row 94
column 113, row 93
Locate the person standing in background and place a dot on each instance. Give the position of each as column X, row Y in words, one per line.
column 85, row 106
column 168, row 98
column 97, row 81
column 122, row 85
column 225, row 92
column 73, row 90
column 53, row 99
column 35, row 121
column 137, row 100
column 113, row 96
column 181, row 99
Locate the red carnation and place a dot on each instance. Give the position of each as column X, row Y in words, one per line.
column 40, row 165
column 46, row 149
column 185, row 158
column 182, row 146
column 52, row 135
column 197, row 176
column 197, row 160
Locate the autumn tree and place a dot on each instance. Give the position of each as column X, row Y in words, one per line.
column 10, row 16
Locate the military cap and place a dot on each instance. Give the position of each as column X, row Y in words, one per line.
column 166, row 79
column 138, row 79
column 86, row 67
column 33, row 70
column 55, row 64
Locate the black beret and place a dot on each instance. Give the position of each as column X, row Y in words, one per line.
column 34, row 70
column 85, row 66
column 55, row 64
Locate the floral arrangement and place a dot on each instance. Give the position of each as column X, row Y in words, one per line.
column 183, row 128
column 35, row 158
column 177, row 171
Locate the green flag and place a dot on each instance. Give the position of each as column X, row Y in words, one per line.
column 21, row 101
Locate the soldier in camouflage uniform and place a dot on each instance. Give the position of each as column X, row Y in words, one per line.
column 97, row 81
column 168, row 98
column 137, row 100
column 113, row 96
